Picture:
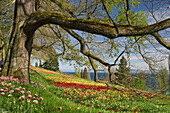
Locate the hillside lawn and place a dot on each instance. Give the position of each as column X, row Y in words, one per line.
column 55, row 92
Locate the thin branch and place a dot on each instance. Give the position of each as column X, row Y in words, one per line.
column 62, row 7
column 111, row 20
column 125, row 50
column 127, row 11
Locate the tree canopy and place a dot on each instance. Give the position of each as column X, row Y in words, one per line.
column 99, row 29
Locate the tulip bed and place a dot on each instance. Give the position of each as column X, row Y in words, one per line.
column 52, row 92
column 111, row 99
column 16, row 96
column 97, row 95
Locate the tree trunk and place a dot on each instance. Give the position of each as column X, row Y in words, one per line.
column 19, row 50
column 94, row 69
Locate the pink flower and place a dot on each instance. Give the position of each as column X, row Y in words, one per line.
column 22, row 92
column 35, row 84
column 32, row 82
column 5, row 88
column 9, row 95
column 41, row 98
column 2, row 93
column 23, row 97
column 12, row 87
column 33, row 98
column 20, row 87
column 1, row 90
column 17, row 89
column 28, row 92
column 36, row 95
column 29, row 96
column 28, row 100
column 13, row 102
column 23, row 88
column 35, row 101
column 24, row 80
column 11, row 91
column 59, row 108
column 6, row 91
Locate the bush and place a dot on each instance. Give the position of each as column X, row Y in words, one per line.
column 140, row 84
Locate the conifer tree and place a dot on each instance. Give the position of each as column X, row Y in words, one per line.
column 36, row 64
column 123, row 66
column 124, row 73
column 163, row 80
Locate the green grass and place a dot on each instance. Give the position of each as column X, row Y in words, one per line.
column 54, row 97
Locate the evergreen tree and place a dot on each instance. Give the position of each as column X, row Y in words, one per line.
column 36, row 64
column 140, row 81
column 124, row 71
column 40, row 65
column 51, row 64
column 85, row 74
column 163, row 80
column 123, row 66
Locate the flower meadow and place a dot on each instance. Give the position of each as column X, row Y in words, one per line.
column 16, row 96
column 50, row 92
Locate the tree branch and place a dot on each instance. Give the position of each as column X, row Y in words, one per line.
column 83, row 49
column 110, row 17
column 161, row 40
column 127, row 11
column 40, row 18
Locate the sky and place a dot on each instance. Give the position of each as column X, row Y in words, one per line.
column 137, row 61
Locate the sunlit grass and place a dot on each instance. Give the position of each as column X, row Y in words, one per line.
column 68, row 94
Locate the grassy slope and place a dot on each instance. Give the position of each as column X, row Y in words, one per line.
column 70, row 106
column 54, row 101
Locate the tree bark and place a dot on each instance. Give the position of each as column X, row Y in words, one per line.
column 94, row 69
column 40, row 18
column 19, row 51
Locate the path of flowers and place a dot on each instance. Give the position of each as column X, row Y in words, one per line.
column 91, row 95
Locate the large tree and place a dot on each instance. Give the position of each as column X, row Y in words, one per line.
column 70, row 17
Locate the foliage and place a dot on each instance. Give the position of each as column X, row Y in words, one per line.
column 140, row 84
column 124, row 77
column 77, row 75
column 123, row 66
column 36, row 64
column 51, row 64
column 163, row 80
column 40, row 65
column 85, row 74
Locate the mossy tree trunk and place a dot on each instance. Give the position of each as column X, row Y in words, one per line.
column 19, row 50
